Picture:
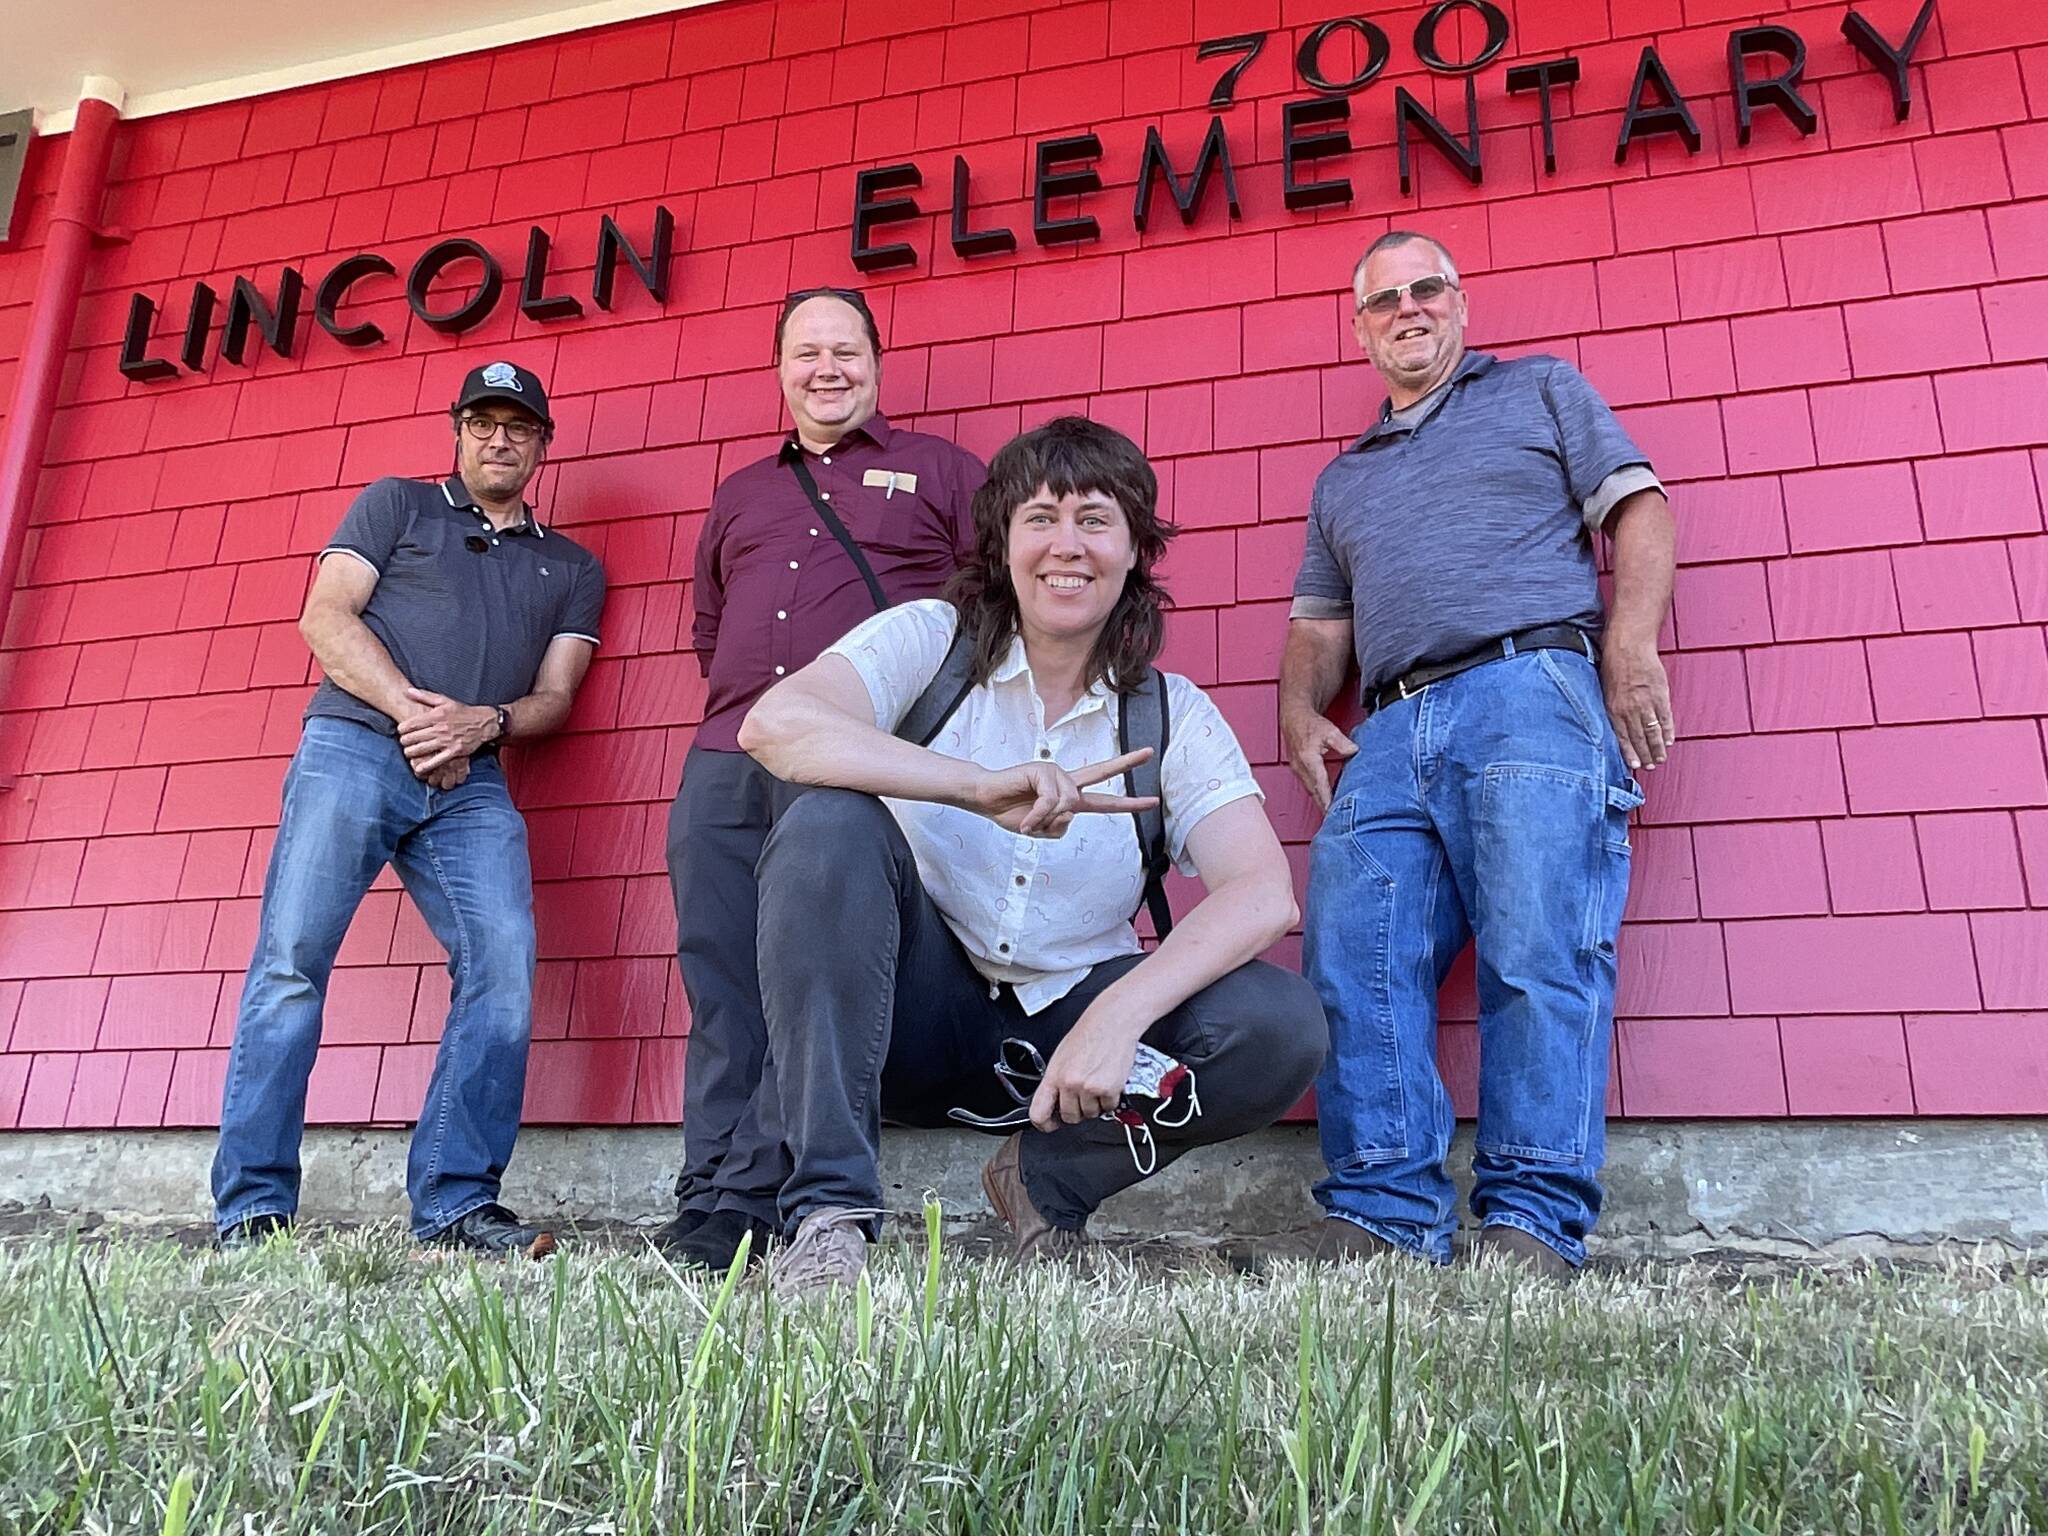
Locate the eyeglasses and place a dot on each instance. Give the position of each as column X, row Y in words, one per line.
column 484, row 428
column 1384, row 301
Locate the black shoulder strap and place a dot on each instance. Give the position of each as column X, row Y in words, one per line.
column 1143, row 720
column 943, row 694
column 824, row 509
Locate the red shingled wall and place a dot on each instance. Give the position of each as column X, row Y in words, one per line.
column 1834, row 347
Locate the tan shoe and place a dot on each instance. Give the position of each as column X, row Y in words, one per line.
column 1511, row 1245
column 1003, row 1182
column 829, row 1249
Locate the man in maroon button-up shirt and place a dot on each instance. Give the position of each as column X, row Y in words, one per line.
column 773, row 588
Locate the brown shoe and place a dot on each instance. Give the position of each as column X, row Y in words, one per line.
column 830, row 1249
column 1003, row 1182
column 1511, row 1245
column 1329, row 1241
column 1341, row 1239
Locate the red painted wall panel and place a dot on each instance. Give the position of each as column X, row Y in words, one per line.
column 1836, row 348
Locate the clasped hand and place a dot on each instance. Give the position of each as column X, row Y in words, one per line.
column 439, row 739
column 1039, row 799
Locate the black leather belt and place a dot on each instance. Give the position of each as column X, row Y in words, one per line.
column 1548, row 637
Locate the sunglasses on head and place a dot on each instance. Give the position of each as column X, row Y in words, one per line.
column 1384, row 301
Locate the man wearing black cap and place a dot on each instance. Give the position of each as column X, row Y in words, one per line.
column 850, row 515
column 447, row 620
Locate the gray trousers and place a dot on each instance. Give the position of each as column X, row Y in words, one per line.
column 733, row 1156
column 874, row 1011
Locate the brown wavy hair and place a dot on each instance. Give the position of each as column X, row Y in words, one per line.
column 1069, row 455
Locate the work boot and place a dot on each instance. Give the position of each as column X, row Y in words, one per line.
column 716, row 1242
column 252, row 1233
column 1003, row 1182
column 829, row 1249
column 1500, row 1244
column 1329, row 1241
column 494, row 1232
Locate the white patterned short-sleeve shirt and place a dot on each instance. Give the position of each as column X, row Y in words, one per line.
column 1038, row 913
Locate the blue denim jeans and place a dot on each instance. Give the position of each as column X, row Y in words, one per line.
column 1491, row 806
column 351, row 806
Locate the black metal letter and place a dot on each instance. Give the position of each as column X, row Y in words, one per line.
column 1496, row 36
column 198, row 323
column 1669, row 115
column 1215, row 152
column 535, row 302
column 432, row 263
column 16, row 130
column 869, row 209
column 1308, row 60
column 1049, row 184
column 1780, row 90
column 1247, row 43
column 968, row 243
column 653, row 272
column 1296, row 147
column 1542, row 78
column 333, row 293
column 247, row 307
column 136, row 362
column 1463, row 153
column 1893, row 61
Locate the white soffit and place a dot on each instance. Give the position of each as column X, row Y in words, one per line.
column 171, row 55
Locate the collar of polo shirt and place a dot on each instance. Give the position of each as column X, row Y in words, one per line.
column 459, row 498
column 1470, row 366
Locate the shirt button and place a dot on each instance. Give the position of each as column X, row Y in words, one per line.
column 1045, row 751
column 782, row 613
column 823, row 496
column 778, row 671
column 1020, row 879
column 1004, row 948
column 825, row 459
column 814, row 533
column 494, row 541
column 792, row 565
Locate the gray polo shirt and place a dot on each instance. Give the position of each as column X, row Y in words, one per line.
column 465, row 609
column 1468, row 515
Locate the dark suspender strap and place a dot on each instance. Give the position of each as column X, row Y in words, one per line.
column 1142, row 720
column 824, row 509
column 943, row 695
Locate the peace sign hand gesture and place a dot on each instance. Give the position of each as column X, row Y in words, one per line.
column 1040, row 799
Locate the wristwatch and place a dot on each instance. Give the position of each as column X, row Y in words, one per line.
column 504, row 723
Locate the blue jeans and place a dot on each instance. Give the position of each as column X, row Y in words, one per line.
column 351, row 806
column 1491, row 806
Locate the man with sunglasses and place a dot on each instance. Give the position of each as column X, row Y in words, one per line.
column 850, row 515
column 447, row 620
column 1486, row 794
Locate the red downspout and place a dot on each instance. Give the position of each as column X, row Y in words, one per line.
column 73, row 224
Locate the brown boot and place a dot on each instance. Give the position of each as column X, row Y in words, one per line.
column 1330, row 1241
column 1341, row 1239
column 1511, row 1245
column 1003, row 1182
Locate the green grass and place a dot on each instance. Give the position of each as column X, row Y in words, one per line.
column 342, row 1383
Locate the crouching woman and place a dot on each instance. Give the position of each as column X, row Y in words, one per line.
column 927, row 913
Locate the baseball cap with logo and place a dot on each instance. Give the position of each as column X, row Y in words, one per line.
column 507, row 382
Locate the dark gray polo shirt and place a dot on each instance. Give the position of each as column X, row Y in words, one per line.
column 1467, row 516
column 465, row 609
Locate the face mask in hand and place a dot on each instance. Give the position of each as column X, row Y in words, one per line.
column 1159, row 1091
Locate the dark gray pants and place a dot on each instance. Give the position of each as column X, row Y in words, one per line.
column 733, row 1157
column 875, row 1011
